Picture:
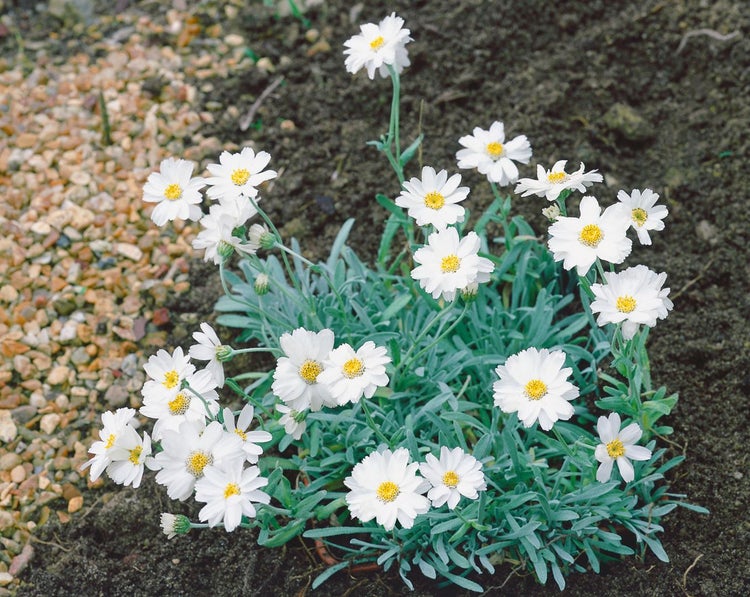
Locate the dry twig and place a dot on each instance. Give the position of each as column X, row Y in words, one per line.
column 247, row 119
column 689, row 568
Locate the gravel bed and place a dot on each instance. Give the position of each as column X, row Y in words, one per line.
column 85, row 275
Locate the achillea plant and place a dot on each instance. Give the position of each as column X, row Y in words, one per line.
column 436, row 408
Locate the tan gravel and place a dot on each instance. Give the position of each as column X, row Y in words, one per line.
column 84, row 274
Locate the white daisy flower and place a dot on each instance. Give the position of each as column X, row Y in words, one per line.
column 535, row 384
column 174, row 190
column 239, row 207
column 448, row 264
column 378, row 46
column 188, row 451
column 578, row 242
column 210, row 348
column 550, row 183
column 113, row 426
column 230, row 493
column 166, row 372
column 238, row 174
column 351, row 374
column 295, row 379
column 618, row 446
column 174, row 524
column 385, row 486
column 129, row 457
column 250, row 439
column 433, row 199
column 217, row 237
column 456, row 474
column 293, row 421
column 645, row 215
column 170, row 409
column 488, row 152
column 632, row 297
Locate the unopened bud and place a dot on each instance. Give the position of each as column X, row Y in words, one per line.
column 174, row 524
column 224, row 353
column 260, row 236
column 261, row 284
column 225, row 250
column 470, row 292
column 551, row 213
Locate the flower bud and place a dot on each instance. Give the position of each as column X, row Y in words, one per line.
column 470, row 292
column 261, row 284
column 225, row 250
column 174, row 524
column 551, row 213
column 224, row 353
column 259, row 236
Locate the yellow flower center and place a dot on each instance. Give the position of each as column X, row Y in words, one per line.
column 309, row 371
column 639, row 216
column 242, row 434
column 494, row 149
column 535, row 389
column 450, row 479
column 196, row 462
column 171, row 379
column 173, row 191
column 450, row 264
column 434, row 200
column 615, row 449
column 387, row 491
column 591, row 235
column 240, row 176
column 179, row 404
column 557, row 177
column 230, row 490
column 377, row 43
column 625, row 303
column 353, row 368
column 135, row 455
column 110, row 441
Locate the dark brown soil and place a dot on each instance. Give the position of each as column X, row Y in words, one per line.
column 552, row 72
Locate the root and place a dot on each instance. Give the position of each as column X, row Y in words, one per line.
column 687, row 571
column 708, row 32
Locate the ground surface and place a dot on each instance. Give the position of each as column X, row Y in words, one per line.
column 628, row 88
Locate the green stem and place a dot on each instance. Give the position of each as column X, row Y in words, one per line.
column 211, row 416
column 505, row 206
column 275, row 231
column 223, row 280
column 250, row 375
column 441, row 334
column 561, row 201
column 274, row 351
column 562, row 441
column 394, row 130
column 371, row 423
column 600, row 270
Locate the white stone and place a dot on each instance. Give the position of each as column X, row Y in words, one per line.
column 128, row 250
column 8, row 430
column 49, row 422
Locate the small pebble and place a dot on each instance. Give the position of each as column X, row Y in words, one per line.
column 49, row 423
column 18, row 474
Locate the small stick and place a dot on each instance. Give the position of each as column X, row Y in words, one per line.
column 709, row 32
column 689, row 568
column 247, row 119
column 693, row 281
